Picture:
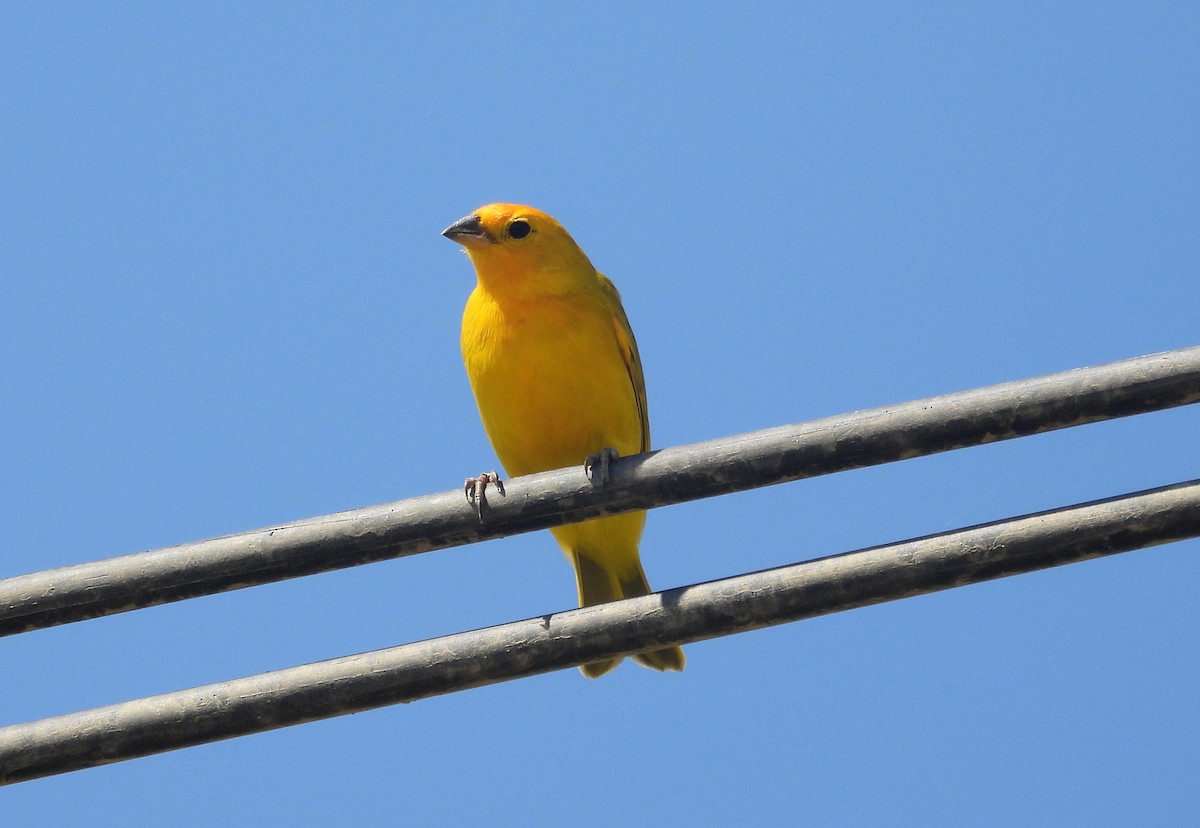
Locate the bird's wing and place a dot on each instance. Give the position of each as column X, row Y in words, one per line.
column 629, row 352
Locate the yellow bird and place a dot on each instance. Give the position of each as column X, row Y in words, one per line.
column 558, row 380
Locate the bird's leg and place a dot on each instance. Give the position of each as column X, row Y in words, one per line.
column 595, row 466
column 475, row 489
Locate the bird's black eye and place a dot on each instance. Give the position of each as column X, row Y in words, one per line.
column 519, row 229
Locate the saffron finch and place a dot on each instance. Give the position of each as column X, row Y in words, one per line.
column 556, row 374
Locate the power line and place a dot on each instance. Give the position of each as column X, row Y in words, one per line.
column 509, row 651
column 672, row 475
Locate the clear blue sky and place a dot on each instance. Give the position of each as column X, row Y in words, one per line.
column 226, row 304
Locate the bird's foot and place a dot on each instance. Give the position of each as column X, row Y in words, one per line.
column 595, row 466
column 475, row 488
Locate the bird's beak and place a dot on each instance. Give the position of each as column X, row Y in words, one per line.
column 469, row 232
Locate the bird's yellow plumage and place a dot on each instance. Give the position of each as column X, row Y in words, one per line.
column 556, row 373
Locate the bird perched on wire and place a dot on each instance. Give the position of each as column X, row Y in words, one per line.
column 556, row 374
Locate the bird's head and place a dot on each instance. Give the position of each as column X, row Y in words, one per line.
column 513, row 246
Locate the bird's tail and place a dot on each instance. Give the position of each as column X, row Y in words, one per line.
column 599, row 584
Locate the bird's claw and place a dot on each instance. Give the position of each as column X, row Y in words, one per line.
column 475, row 488
column 596, row 466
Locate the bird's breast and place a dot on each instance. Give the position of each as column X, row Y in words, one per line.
column 550, row 381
